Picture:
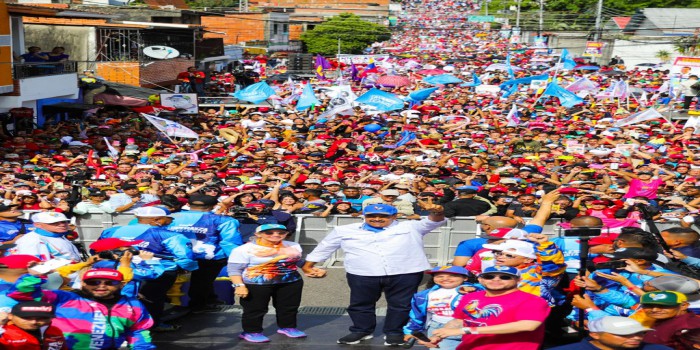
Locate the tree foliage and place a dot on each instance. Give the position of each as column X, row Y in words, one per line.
column 354, row 33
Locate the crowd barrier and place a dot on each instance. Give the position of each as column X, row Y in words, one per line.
column 439, row 245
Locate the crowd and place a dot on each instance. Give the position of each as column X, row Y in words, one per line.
column 224, row 203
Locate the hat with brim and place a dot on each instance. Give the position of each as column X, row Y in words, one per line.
column 505, row 270
column 665, row 298
column 455, row 270
column 34, row 309
column 382, row 209
column 616, row 325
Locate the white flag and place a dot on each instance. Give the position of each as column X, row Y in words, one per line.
column 512, row 117
column 342, row 98
column 170, row 128
column 639, row 117
column 113, row 152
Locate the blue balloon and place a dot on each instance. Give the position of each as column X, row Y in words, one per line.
column 373, row 127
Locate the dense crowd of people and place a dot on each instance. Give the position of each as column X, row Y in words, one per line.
column 224, row 203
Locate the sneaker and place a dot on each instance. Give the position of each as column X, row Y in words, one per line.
column 164, row 327
column 393, row 340
column 354, row 338
column 292, row 332
column 254, row 337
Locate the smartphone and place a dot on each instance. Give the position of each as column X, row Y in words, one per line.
column 58, row 185
column 614, row 166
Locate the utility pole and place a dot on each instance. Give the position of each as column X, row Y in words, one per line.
column 486, row 7
column 539, row 32
column 517, row 16
column 598, row 20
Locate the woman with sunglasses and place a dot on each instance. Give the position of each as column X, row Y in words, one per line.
column 264, row 269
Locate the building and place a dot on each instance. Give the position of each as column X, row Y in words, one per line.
column 664, row 22
column 32, row 85
column 268, row 29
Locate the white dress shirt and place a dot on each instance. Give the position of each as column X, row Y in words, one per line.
column 396, row 250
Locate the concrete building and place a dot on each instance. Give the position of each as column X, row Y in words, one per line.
column 268, row 29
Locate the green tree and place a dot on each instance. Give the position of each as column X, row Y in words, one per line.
column 354, row 33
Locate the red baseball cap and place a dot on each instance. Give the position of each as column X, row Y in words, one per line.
column 112, row 243
column 103, row 274
column 18, row 261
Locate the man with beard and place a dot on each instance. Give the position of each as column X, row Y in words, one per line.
column 95, row 317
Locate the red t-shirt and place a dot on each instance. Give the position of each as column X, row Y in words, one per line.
column 478, row 310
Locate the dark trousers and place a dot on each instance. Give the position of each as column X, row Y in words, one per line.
column 154, row 294
column 686, row 102
column 202, row 280
column 365, row 291
column 286, row 298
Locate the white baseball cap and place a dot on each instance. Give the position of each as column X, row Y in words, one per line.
column 151, row 212
column 522, row 248
column 616, row 325
column 49, row 217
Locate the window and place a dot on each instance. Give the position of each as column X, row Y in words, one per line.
column 285, row 29
column 275, row 28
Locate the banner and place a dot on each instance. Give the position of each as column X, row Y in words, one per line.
column 512, row 117
column 170, row 128
column 360, row 59
column 593, row 49
column 255, row 93
column 188, row 102
column 639, row 117
column 307, row 98
column 342, row 98
column 381, row 100
column 526, row 80
column 442, row 79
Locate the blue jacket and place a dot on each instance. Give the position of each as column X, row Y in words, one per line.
column 218, row 230
column 159, row 241
column 418, row 317
column 143, row 271
column 9, row 230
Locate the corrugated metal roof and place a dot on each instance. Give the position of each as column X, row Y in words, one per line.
column 179, row 4
column 673, row 20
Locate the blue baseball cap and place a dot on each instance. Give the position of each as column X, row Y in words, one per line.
column 384, row 209
column 268, row 227
column 506, row 270
column 456, row 270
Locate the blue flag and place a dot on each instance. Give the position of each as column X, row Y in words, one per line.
column 566, row 98
column 420, row 95
column 442, row 79
column 567, row 60
column 513, row 89
column 307, row 98
column 526, row 80
column 406, row 137
column 475, row 79
column 509, row 68
column 380, row 100
column 255, row 93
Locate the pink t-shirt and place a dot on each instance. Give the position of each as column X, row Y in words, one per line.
column 478, row 310
column 639, row 188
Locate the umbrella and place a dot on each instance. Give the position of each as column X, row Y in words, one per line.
column 393, row 80
column 431, row 71
column 587, row 68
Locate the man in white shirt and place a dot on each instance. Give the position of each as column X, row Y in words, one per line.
column 381, row 255
column 131, row 199
column 48, row 239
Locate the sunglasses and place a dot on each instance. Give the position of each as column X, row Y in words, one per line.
column 269, row 233
column 500, row 277
column 509, row 256
column 95, row 283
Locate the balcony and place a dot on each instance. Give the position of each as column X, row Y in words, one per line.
column 33, row 70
